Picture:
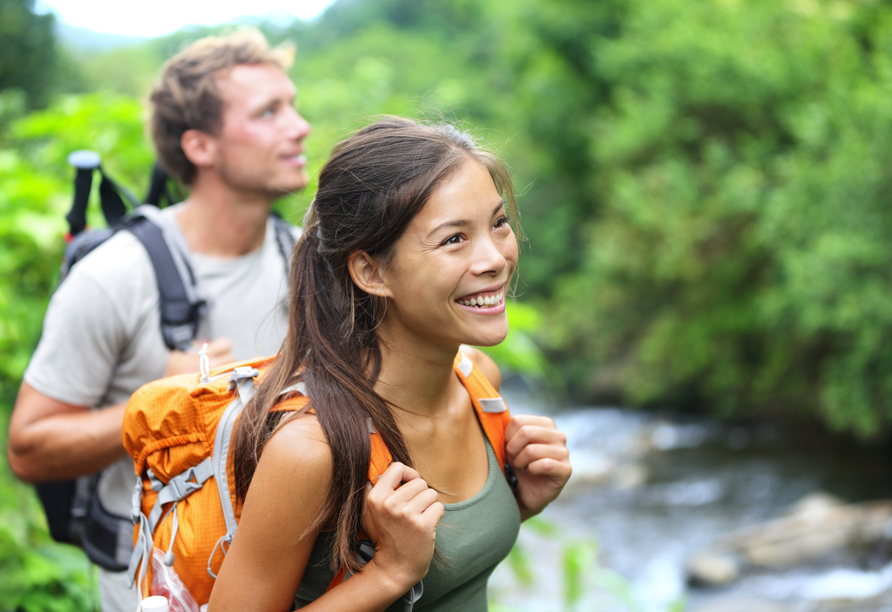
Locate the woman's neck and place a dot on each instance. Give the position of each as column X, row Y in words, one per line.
column 417, row 380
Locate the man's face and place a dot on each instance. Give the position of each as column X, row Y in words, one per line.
column 260, row 148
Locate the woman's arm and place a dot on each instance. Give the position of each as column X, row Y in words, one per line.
column 270, row 551
column 266, row 561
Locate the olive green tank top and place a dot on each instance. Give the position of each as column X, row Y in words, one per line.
column 472, row 538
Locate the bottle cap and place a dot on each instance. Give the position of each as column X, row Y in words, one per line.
column 155, row 603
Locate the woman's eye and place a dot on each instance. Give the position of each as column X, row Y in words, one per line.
column 453, row 239
column 500, row 222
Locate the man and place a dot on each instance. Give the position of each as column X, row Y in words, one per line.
column 224, row 123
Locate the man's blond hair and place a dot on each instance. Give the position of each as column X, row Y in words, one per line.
column 187, row 95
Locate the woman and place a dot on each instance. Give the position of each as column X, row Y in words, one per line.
column 407, row 255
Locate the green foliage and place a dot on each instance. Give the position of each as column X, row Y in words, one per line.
column 739, row 259
column 587, row 585
column 28, row 52
column 35, row 193
column 36, row 574
column 519, row 353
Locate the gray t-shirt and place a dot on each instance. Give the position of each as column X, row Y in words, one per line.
column 102, row 338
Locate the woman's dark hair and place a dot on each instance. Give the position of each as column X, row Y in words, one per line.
column 369, row 191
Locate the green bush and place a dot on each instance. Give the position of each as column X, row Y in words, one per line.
column 739, row 259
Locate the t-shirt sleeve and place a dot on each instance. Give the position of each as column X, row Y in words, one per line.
column 82, row 334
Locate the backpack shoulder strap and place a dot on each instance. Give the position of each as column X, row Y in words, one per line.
column 492, row 412
column 286, row 240
column 180, row 308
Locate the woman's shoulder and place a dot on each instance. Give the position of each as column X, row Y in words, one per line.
column 299, row 452
column 301, row 439
column 485, row 364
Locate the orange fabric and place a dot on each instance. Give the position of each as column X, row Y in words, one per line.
column 171, row 425
column 493, row 423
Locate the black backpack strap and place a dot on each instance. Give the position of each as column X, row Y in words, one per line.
column 113, row 206
column 180, row 312
column 285, row 239
column 158, row 187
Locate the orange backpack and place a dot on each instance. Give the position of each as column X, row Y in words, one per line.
column 178, row 431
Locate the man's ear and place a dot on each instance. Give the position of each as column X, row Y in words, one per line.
column 200, row 148
column 366, row 274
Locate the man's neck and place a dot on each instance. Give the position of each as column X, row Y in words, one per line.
column 221, row 225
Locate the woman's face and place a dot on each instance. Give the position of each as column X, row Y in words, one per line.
column 449, row 275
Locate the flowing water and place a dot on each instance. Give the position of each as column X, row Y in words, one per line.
column 649, row 490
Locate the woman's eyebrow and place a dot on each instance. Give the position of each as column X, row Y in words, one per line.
column 463, row 222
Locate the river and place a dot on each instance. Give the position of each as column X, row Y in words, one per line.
column 648, row 490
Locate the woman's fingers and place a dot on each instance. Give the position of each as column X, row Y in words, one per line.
column 394, row 496
column 401, row 516
column 536, row 458
column 524, row 430
column 538, row 452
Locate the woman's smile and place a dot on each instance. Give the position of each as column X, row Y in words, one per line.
column 485, row 302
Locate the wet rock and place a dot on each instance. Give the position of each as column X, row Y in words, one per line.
column 631, row 476
column 814, row 528
column 713, row 569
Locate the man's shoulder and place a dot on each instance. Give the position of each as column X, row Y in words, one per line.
column 119, row 259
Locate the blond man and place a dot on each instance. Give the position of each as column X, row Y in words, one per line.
column 223, row 122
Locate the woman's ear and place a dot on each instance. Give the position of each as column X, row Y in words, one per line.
column 200, row 148
column 366, row 274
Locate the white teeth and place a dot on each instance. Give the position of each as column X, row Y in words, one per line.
column 492, row 300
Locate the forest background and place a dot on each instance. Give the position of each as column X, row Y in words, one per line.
column 705, row 192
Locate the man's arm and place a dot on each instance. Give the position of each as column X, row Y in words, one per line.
column 52, row 440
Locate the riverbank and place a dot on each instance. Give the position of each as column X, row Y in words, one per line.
column 650, row 490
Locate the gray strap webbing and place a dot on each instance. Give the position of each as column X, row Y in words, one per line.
column 465, row 366
column 221, row 452
column 243, row 379
column 492, row 404
column 298, row 387
column 412, row 597
column 179, row 487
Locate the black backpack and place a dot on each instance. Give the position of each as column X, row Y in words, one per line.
column 73, row 511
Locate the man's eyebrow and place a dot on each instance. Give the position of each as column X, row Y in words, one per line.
column 462, row 222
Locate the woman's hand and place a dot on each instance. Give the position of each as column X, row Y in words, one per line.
column 400, row 517
column 538, row 453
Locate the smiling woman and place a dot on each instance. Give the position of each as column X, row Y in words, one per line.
column 408, row 254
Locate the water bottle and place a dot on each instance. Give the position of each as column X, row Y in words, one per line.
column 155, row 603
